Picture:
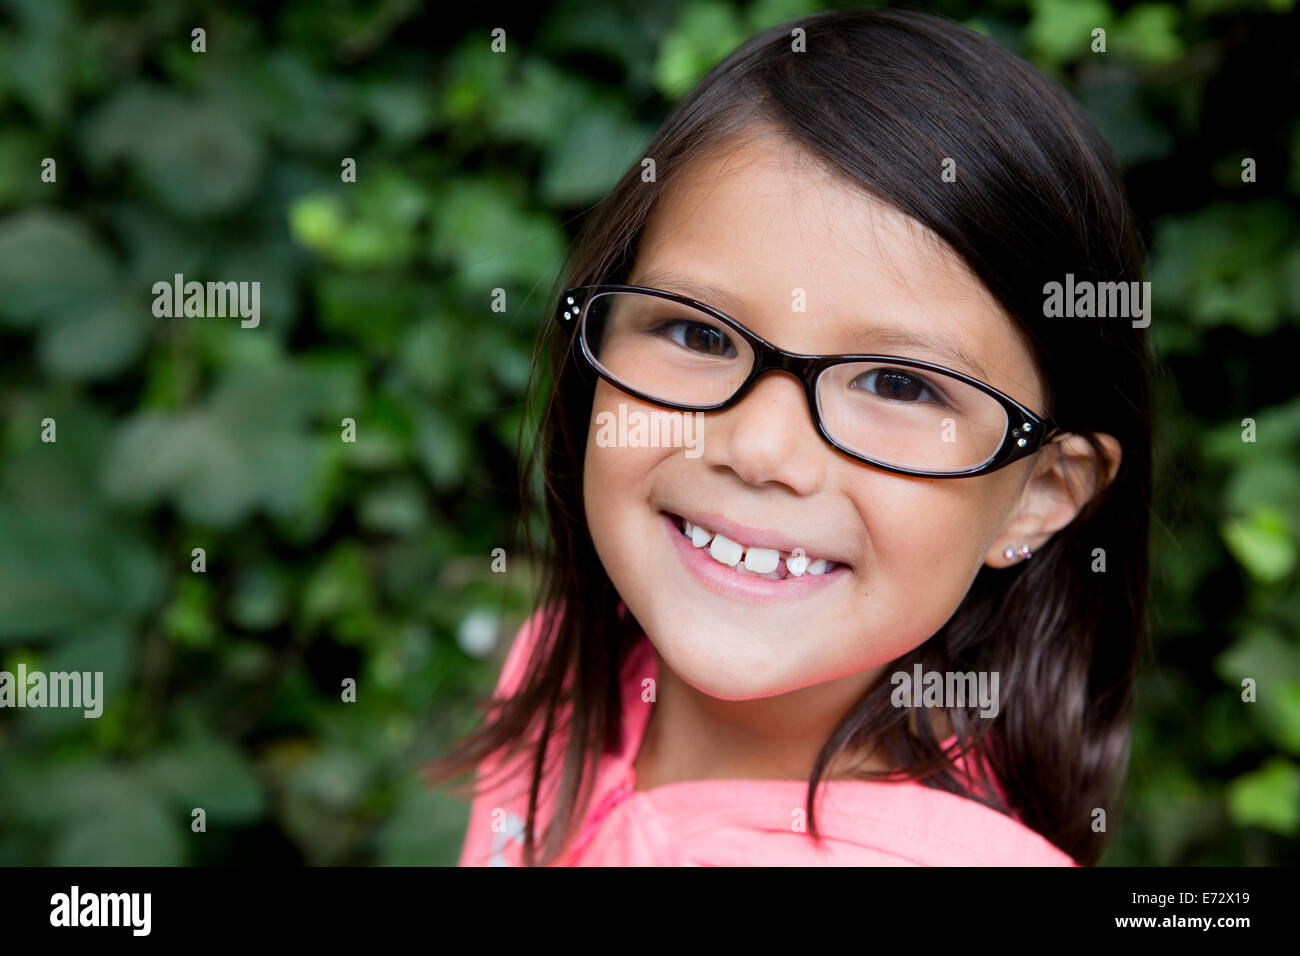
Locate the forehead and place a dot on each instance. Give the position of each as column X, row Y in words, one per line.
column 758, row 227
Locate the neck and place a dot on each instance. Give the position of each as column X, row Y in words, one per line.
column 692, row 736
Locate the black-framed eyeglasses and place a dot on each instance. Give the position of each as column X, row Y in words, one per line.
column 903, row 415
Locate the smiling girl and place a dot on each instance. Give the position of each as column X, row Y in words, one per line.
column 905, row 469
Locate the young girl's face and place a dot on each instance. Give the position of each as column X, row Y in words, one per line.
column 744, row 231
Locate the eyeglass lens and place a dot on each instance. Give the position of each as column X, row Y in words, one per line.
column 916, row 419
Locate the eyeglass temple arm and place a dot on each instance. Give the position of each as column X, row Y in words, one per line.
column 1052, row 431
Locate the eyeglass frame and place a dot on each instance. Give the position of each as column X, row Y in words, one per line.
column 808, row 369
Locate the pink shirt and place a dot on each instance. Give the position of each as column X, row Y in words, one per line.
column 740, row 822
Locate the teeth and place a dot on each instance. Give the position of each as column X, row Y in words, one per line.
column 725, row 550
column 758, row 561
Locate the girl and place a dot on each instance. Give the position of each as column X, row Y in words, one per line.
column 821, row 637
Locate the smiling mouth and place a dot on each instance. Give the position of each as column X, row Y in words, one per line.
column 751, row 560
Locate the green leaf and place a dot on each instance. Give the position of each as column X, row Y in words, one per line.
column 1149, row 33
column 1060, row 30
column 188, row 620
column 542, row 104
column 334, row 777
column 316, row 221
column 624, row 34
column 341, row 583
column 367, row 311
column 397, row 507
column 125, row 830
column 1203, row 9
column 476, row 80
column 197, row 157
column 1251, row 302
column 1266, row 481
column 21, row 153
column 442, row 447
column 1268, row 797
column 100, row 816
column 1276, row 436
column 291, row 102
column 486, row 231
column 210, row 773
column 768, row 13
column 38, row 62
column 249, row 446
column 706, row 32
column 1261, row 544
column 1223, row 265
column 106, row 648
column 402, row 111
column 1263, row 653
column 1286, row 710
column 261, row 599
column 66, row 570
column 378, row 228
column 598, row 147
column 98, row 343
column 50, row 265
column 1117, row 102
column 426, row 829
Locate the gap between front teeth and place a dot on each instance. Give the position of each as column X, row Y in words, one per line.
column 764, row 562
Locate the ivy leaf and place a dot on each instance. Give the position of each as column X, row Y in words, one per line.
column 1060, row 30
column 210, row 773
column 1268, row 797
column 1261, row 544
column 705, row 34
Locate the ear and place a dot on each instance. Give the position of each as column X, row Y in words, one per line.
column 1066, row 475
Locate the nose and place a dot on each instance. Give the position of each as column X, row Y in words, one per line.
column 769, row 437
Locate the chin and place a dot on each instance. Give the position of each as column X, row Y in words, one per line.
column 722, row 686
column 726, row 666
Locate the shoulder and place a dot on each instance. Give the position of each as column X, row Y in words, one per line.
column 938, row 828
column 494, row 834
column 638, row 662
column 538, row 626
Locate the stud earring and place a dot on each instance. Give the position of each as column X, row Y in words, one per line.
column 1024, row 552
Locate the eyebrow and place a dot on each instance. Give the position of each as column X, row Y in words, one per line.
column 885, row 336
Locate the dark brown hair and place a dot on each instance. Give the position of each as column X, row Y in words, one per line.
column 883, row 98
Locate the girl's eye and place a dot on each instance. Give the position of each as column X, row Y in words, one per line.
column 896, row 385
column 697, row 337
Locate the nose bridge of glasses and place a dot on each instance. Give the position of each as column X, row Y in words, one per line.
column 773, row 358
column 777, row 360
column 769, row 358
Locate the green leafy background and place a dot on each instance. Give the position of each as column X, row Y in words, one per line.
column 371, row 560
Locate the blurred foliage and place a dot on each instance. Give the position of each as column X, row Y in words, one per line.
column 328, row 560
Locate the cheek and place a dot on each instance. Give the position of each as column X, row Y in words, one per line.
column 616, row 483
column 927, row 530
column 926, row 542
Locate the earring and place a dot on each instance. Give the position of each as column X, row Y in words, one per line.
column 1024, row 552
